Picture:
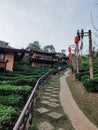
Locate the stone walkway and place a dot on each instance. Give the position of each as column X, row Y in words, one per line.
column 49, row 102
column 79, row 120
column 56, row 98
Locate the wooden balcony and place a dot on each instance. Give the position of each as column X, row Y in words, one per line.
column 42, row 58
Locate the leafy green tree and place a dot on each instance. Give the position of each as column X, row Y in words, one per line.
column 49, row 48
column 63, row 51
column 35, row 45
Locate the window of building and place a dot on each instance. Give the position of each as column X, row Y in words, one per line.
column 1, row 56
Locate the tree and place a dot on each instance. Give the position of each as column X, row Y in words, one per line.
column 35, row 45
column 49, row 48
column 63, row 51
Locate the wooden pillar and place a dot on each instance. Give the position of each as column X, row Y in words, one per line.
column 90, row 54
column 77, row 56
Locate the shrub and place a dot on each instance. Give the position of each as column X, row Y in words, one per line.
column 24, row 91
column 85, row 77
column 8, row 117
column 84, row 65
column 80, row 75
column 24, row 81
column 9, row 89
column 12, row 100
column 7, row 78
column 11, row 74
column 23, row 69
column 91, row 85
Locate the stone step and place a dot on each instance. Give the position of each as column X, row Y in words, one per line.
column 45, row 126
column 42, row 110
column 54, row 105
column 55, row 115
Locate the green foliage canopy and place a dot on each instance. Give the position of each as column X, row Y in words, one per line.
column 49, row 48
column 35, row 45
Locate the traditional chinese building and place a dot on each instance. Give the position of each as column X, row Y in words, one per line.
column 61, row 58
column 8, row 55
column 45, row 59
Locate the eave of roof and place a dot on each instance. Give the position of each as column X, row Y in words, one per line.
column 6, row 48
column 44, row 52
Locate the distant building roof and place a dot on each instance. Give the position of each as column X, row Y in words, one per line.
column 39, row 51
column 4, row 44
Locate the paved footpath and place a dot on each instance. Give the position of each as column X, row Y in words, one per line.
column 78, row 119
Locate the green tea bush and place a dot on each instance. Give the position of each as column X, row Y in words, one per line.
column 9, row 89
column 24, row 81
column 11, row 74
column 95, row 71
column 96, row 75
column 84, row 65
column 15, row 88
column 91, row 85
column 78, row 76
column 85, row 77
column 24, row 91
column 8, row 117
column 24, row 69
column 2, row 78
column 81, row 74
column 12, row 100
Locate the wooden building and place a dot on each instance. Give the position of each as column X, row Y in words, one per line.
column 45, row 59
column 8, row 56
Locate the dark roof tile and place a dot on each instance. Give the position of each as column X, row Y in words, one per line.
column 4, row 44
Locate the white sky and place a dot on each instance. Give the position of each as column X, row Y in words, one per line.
column 47, row 21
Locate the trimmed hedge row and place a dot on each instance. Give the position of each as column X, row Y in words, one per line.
column 18, row 77
column 15, row 97
column 29, row 80
column 80, row 75
column 8, row 116
column 15, row 88
column 91, row 85
column 12, row 100
column 9, row 89
column 25, row 69
column 23, row 81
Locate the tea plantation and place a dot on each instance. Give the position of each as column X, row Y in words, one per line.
column 90, row 84
column 15, row 88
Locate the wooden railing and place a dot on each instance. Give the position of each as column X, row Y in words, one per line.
column 25, row 118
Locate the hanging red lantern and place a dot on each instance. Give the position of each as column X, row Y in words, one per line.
column 69, row 50
column 76, row 39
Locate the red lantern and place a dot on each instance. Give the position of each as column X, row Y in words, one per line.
column 76, row 39
column 69, row 50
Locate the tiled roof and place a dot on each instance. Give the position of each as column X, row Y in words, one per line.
column 4, row 44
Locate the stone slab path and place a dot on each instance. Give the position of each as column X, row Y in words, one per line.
column 49, row 102
column 78, row 119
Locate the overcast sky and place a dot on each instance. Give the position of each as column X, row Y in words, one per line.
column 47, row 21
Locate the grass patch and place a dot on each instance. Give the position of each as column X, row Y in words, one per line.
column 87, row 101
